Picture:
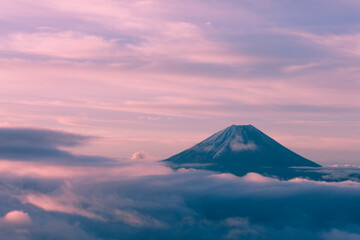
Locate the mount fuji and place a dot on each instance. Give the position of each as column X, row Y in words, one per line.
column 240, row 149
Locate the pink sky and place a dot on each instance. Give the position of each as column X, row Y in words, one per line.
column 160, row 76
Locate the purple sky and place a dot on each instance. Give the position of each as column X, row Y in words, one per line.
column 160, row 76
column 93, row 92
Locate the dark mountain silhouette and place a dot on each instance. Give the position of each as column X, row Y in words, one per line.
column 240, row 149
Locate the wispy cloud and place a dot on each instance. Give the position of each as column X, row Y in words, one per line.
column 29, row 144
column 344, row 44
column 71, row 45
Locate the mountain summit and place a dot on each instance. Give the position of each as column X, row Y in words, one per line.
column 239, row 149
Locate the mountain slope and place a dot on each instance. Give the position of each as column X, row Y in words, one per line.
column 239, row 148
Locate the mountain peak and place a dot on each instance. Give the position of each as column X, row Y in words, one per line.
column 248, row 126
column 239, row 147
column 238, row 128
column 234, row 138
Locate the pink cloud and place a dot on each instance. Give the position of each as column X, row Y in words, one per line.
column 254, row 177
column 98, row 88
column 66, row 202
column 295, row 68
column 128, row 170
column 250, row 177
column 223, row 176
column 136, row 219
column 345, row 44
column 161, row 40
column 142, row 156
column 61, row 44
column 187, row 42
column 17, row 218
column 253, row 92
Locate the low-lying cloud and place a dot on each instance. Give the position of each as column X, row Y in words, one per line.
column 146, row 200
column 193, row 205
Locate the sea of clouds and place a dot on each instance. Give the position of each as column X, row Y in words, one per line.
column 47, row 192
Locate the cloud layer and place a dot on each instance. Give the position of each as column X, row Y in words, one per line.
column 136, row 198
column 193, row 205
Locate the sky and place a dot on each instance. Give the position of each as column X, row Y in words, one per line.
column 156, row 77
column 94, row 92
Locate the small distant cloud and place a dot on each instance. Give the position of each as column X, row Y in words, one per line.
column 17, row 218
column 149, row 118
column 255, row 177
column 142, row 156
column 296, row 68
column 136, row 219
column 236, row 222
column 225, row 176
column 184, row 170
